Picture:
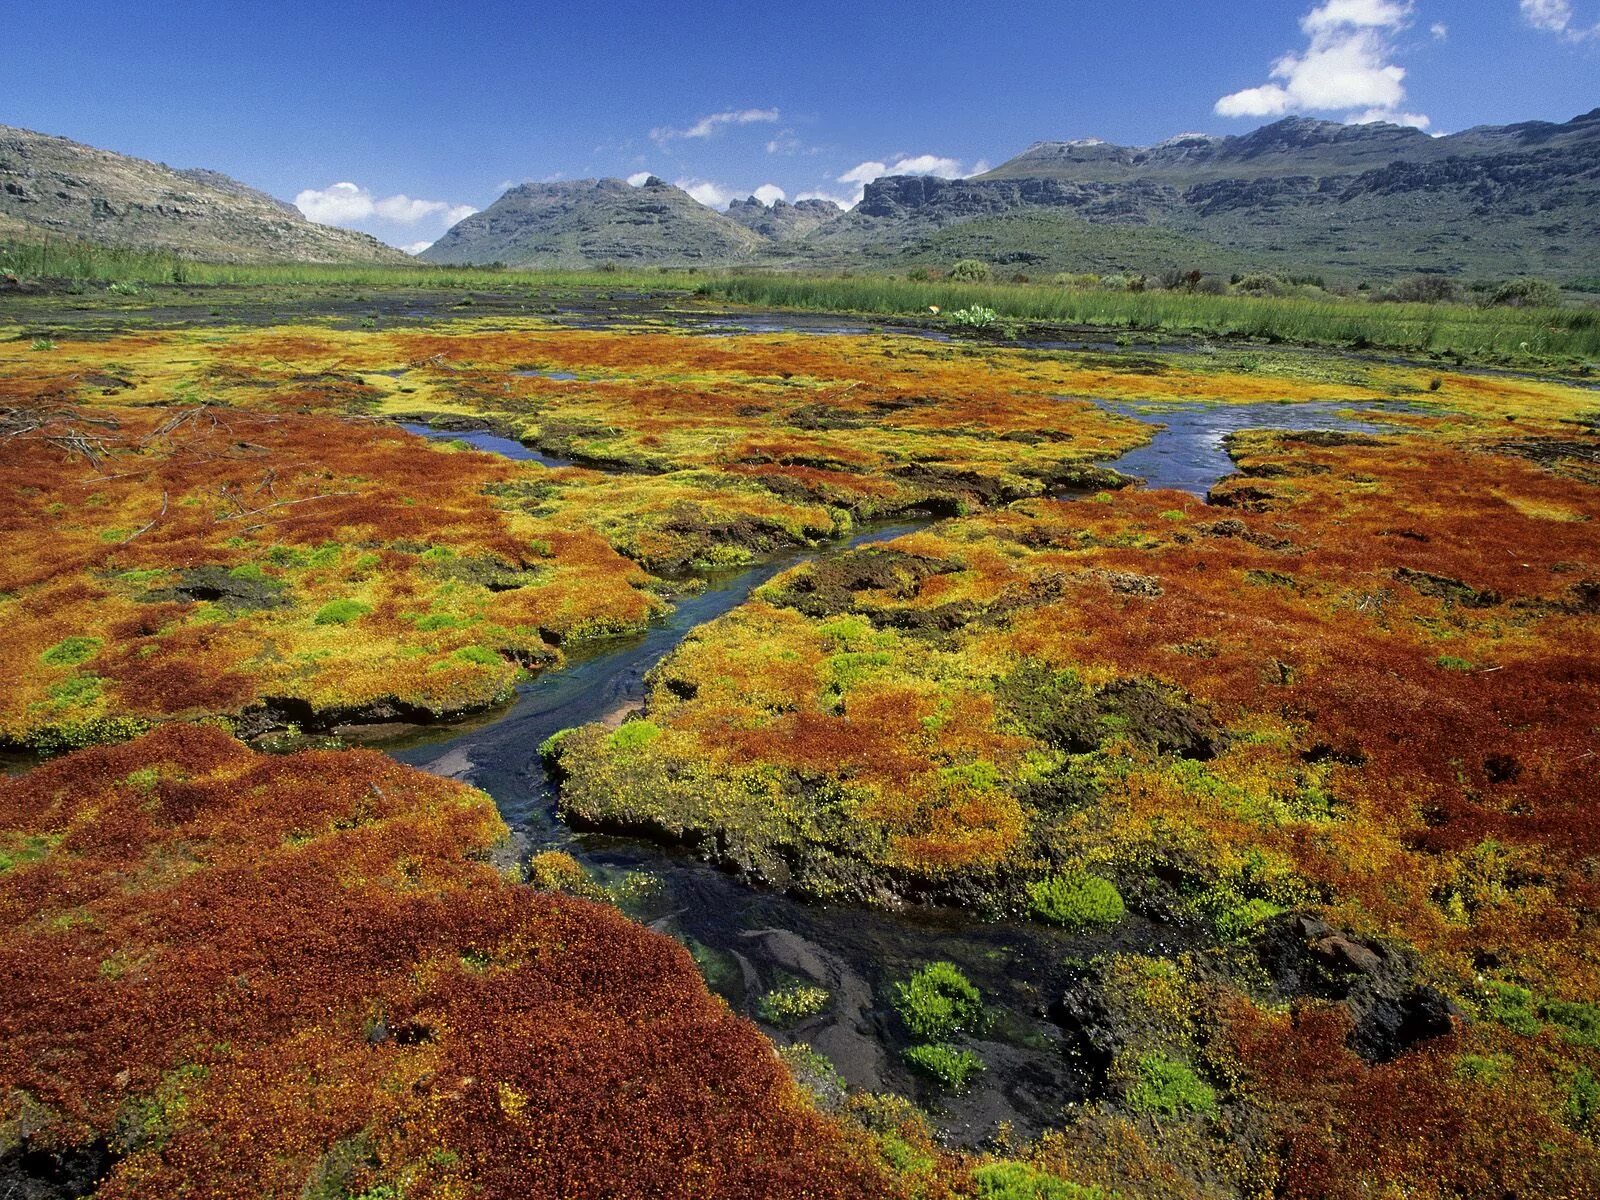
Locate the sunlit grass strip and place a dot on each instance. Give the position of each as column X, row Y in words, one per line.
column 1502, row 333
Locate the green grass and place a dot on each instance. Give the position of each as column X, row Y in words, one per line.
column 126, row 269
column 1527, row 336
column 1500, row 334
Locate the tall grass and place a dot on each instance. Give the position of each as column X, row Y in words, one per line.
column 1477, row 333
column 111, row 264
column 1526, row 335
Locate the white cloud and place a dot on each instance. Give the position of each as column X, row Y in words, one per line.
column 348, row 204
column 1557, row 16
column 1388, row 117
column 785, row 143
column 416, row 247
column 638, row 178
column 1346, row 66
column 768, row 193
column 917, row 164
column 706, row 126
column 712, row 195
column 1440, row 31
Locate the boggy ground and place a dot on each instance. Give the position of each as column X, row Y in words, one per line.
column 232, row 974
column 1343, row 718
column 217, row 525
column 225, row 522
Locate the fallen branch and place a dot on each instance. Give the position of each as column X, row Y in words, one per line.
column 284, row 504
column 144, row 528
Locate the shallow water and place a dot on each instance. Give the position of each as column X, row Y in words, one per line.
column 1187, row 453
column 749, row 940
column 482, row 439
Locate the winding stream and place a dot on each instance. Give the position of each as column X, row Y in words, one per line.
column 749, row 941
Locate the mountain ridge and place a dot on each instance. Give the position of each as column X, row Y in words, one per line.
column 55, row 187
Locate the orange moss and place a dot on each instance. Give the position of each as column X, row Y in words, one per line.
column 252, row 973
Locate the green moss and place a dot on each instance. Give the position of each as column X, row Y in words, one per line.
column 1451, row 663
column 633, row 735
column 788, row 1005
column 432, row 621
column 948, row 1066
column 1166, row 1087
column 478, row 655
column 1579, row 1023
column 1076, row 900
column 76, row 691
column 1019, row 1181
column 18, row 850
column 1583, row 1100
column 938, row 1002
column 340, row 612
column 1514, row 1008
column 250, row 572
column 70, row 651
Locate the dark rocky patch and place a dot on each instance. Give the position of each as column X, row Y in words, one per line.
column 1451, row 591
column 1304, row 956
column 831, row 585
column 218, row 585
column 1058, row 709
column 29, row 1172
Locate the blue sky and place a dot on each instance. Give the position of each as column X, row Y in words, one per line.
column 399, row 117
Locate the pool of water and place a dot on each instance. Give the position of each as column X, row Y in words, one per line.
column 1187, row 452
column 482, row 439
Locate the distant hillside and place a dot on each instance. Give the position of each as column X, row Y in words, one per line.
column 1350, row 200
column 52, row 187
column 781, row 221
column 586, row 222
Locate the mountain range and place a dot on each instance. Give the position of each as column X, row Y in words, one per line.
column 1297, row 196
column 53, row 187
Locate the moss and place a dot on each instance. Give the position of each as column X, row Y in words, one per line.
column 70, row 651
column 479, row 656
column 1579, row 1023
column 1019, row 1181
column 951, row 1067
column 1514, row 1008
column 340, row 612
column 633, row 735
column 1076, row 900
column 789, row 1005
column 938, row 1002
column 1165, row 1087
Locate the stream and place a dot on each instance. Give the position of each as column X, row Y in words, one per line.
column 748, row 941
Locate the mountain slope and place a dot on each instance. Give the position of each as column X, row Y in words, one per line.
column 585, row 222
column 1351, row 200
column 781, row 220
column 53, row 187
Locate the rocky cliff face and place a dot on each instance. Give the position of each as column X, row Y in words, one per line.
column 1354, row 200
column 52, row 187
column 586, row 222
column 780, row 220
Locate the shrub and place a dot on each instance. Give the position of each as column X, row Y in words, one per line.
column 970, row 270
column 946, row 1065
column 1076, row 900
column 1019, row 1181
column 1260, row 284
column 786, row 1006
column 70, row 651
column 975, row 317
column 340, row 612
column 1526, row 293
column 1168, row 1088
column 1427, row 289
column 938, row 1002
